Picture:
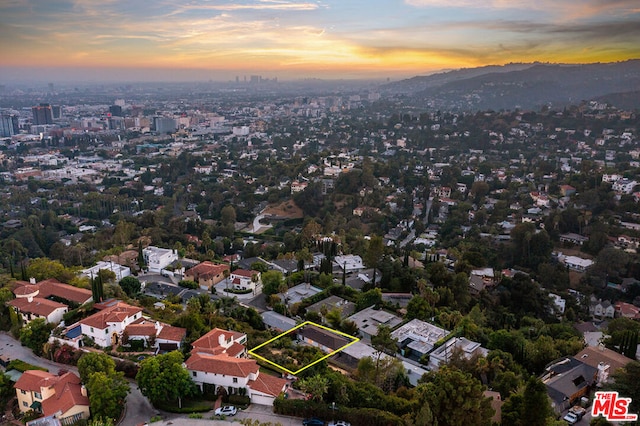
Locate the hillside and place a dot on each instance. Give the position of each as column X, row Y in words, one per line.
column 529, row 87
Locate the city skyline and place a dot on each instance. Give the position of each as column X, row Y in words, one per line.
column 116, row 40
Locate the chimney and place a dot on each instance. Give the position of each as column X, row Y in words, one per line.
column 32, row 280
column 83, row 390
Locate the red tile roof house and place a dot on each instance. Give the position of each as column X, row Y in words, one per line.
column 217, row 359
column 160, row 336
column 61, row 396
column 106, row 326
column 243, row 279
column 206, row 274
column 31, row 308
column 53, row 288
column 627, row 310
column 33, row 299
column 218, row 341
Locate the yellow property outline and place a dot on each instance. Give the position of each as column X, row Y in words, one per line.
column 252, row 351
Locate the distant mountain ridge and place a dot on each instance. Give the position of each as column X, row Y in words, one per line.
column 527, row 86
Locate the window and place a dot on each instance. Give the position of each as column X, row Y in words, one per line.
column 106, row 331
column 37, row 395
column 195, row 374
column 91, row 328
column 235, row 380
column 24, row 403
column 24, row 392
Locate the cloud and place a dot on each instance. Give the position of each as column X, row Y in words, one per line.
column 559, row 10
column 261, row 5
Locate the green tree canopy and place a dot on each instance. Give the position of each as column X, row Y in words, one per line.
column 627, row 382
column 35, row 334
column 43, row 268
column 271, row 282
column 93, row 362
column 316, row 386
column 130, row 285
column 107, row 394
column 163, row 378
column 454, row 399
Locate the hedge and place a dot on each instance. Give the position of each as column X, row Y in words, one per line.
column 241, row 400
column 356, row 416
column 21, row 366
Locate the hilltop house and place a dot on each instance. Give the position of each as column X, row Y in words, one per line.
column 223, row 373
column 48, row 299
column 117, row 321
column 30, row 307
column 218, row 362
column 106, row 326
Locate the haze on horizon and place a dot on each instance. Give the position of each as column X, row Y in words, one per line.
column 199, row 40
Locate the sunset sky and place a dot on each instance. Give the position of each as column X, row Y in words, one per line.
column 288, row 39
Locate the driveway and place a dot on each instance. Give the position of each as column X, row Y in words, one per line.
column 138, row 409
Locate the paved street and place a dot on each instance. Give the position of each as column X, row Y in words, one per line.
column 257, row 412
column 138, row 408
column 12, row 349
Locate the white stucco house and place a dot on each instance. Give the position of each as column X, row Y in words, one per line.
column 119, row 270
column 106, row 326
column 233, row 374
column 243, row 279
column 158, row 258
column 30, row 308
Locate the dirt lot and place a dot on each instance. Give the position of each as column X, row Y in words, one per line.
column 287, row 209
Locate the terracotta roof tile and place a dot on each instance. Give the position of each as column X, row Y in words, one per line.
column 244, row 273
column 211, row 340
column 26, row 290
column 37, row 306
column 33, row 380
column 113, row 314
column 175, row 334
column 206, row 269
column 222, row 364
column 268, row 384
column 68, row 394
column 53, row 287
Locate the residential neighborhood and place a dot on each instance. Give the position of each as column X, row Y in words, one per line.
column 373, row 252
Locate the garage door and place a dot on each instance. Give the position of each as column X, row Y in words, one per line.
column 262, row 399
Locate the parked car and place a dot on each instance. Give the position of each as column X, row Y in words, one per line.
column 339, row 423
column 314, row 421
column 574, row 415
column 227, row 410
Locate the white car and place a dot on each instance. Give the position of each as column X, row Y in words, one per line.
column 339, row 423
column 227, row 410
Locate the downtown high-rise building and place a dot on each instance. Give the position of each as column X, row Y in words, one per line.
column 42, row 114
column 8, row 125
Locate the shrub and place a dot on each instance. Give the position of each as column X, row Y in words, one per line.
column 241, row 400
column 129, row 368
column 22, row 366
column 356, row 416
column 237, row 291
column 188, row 284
